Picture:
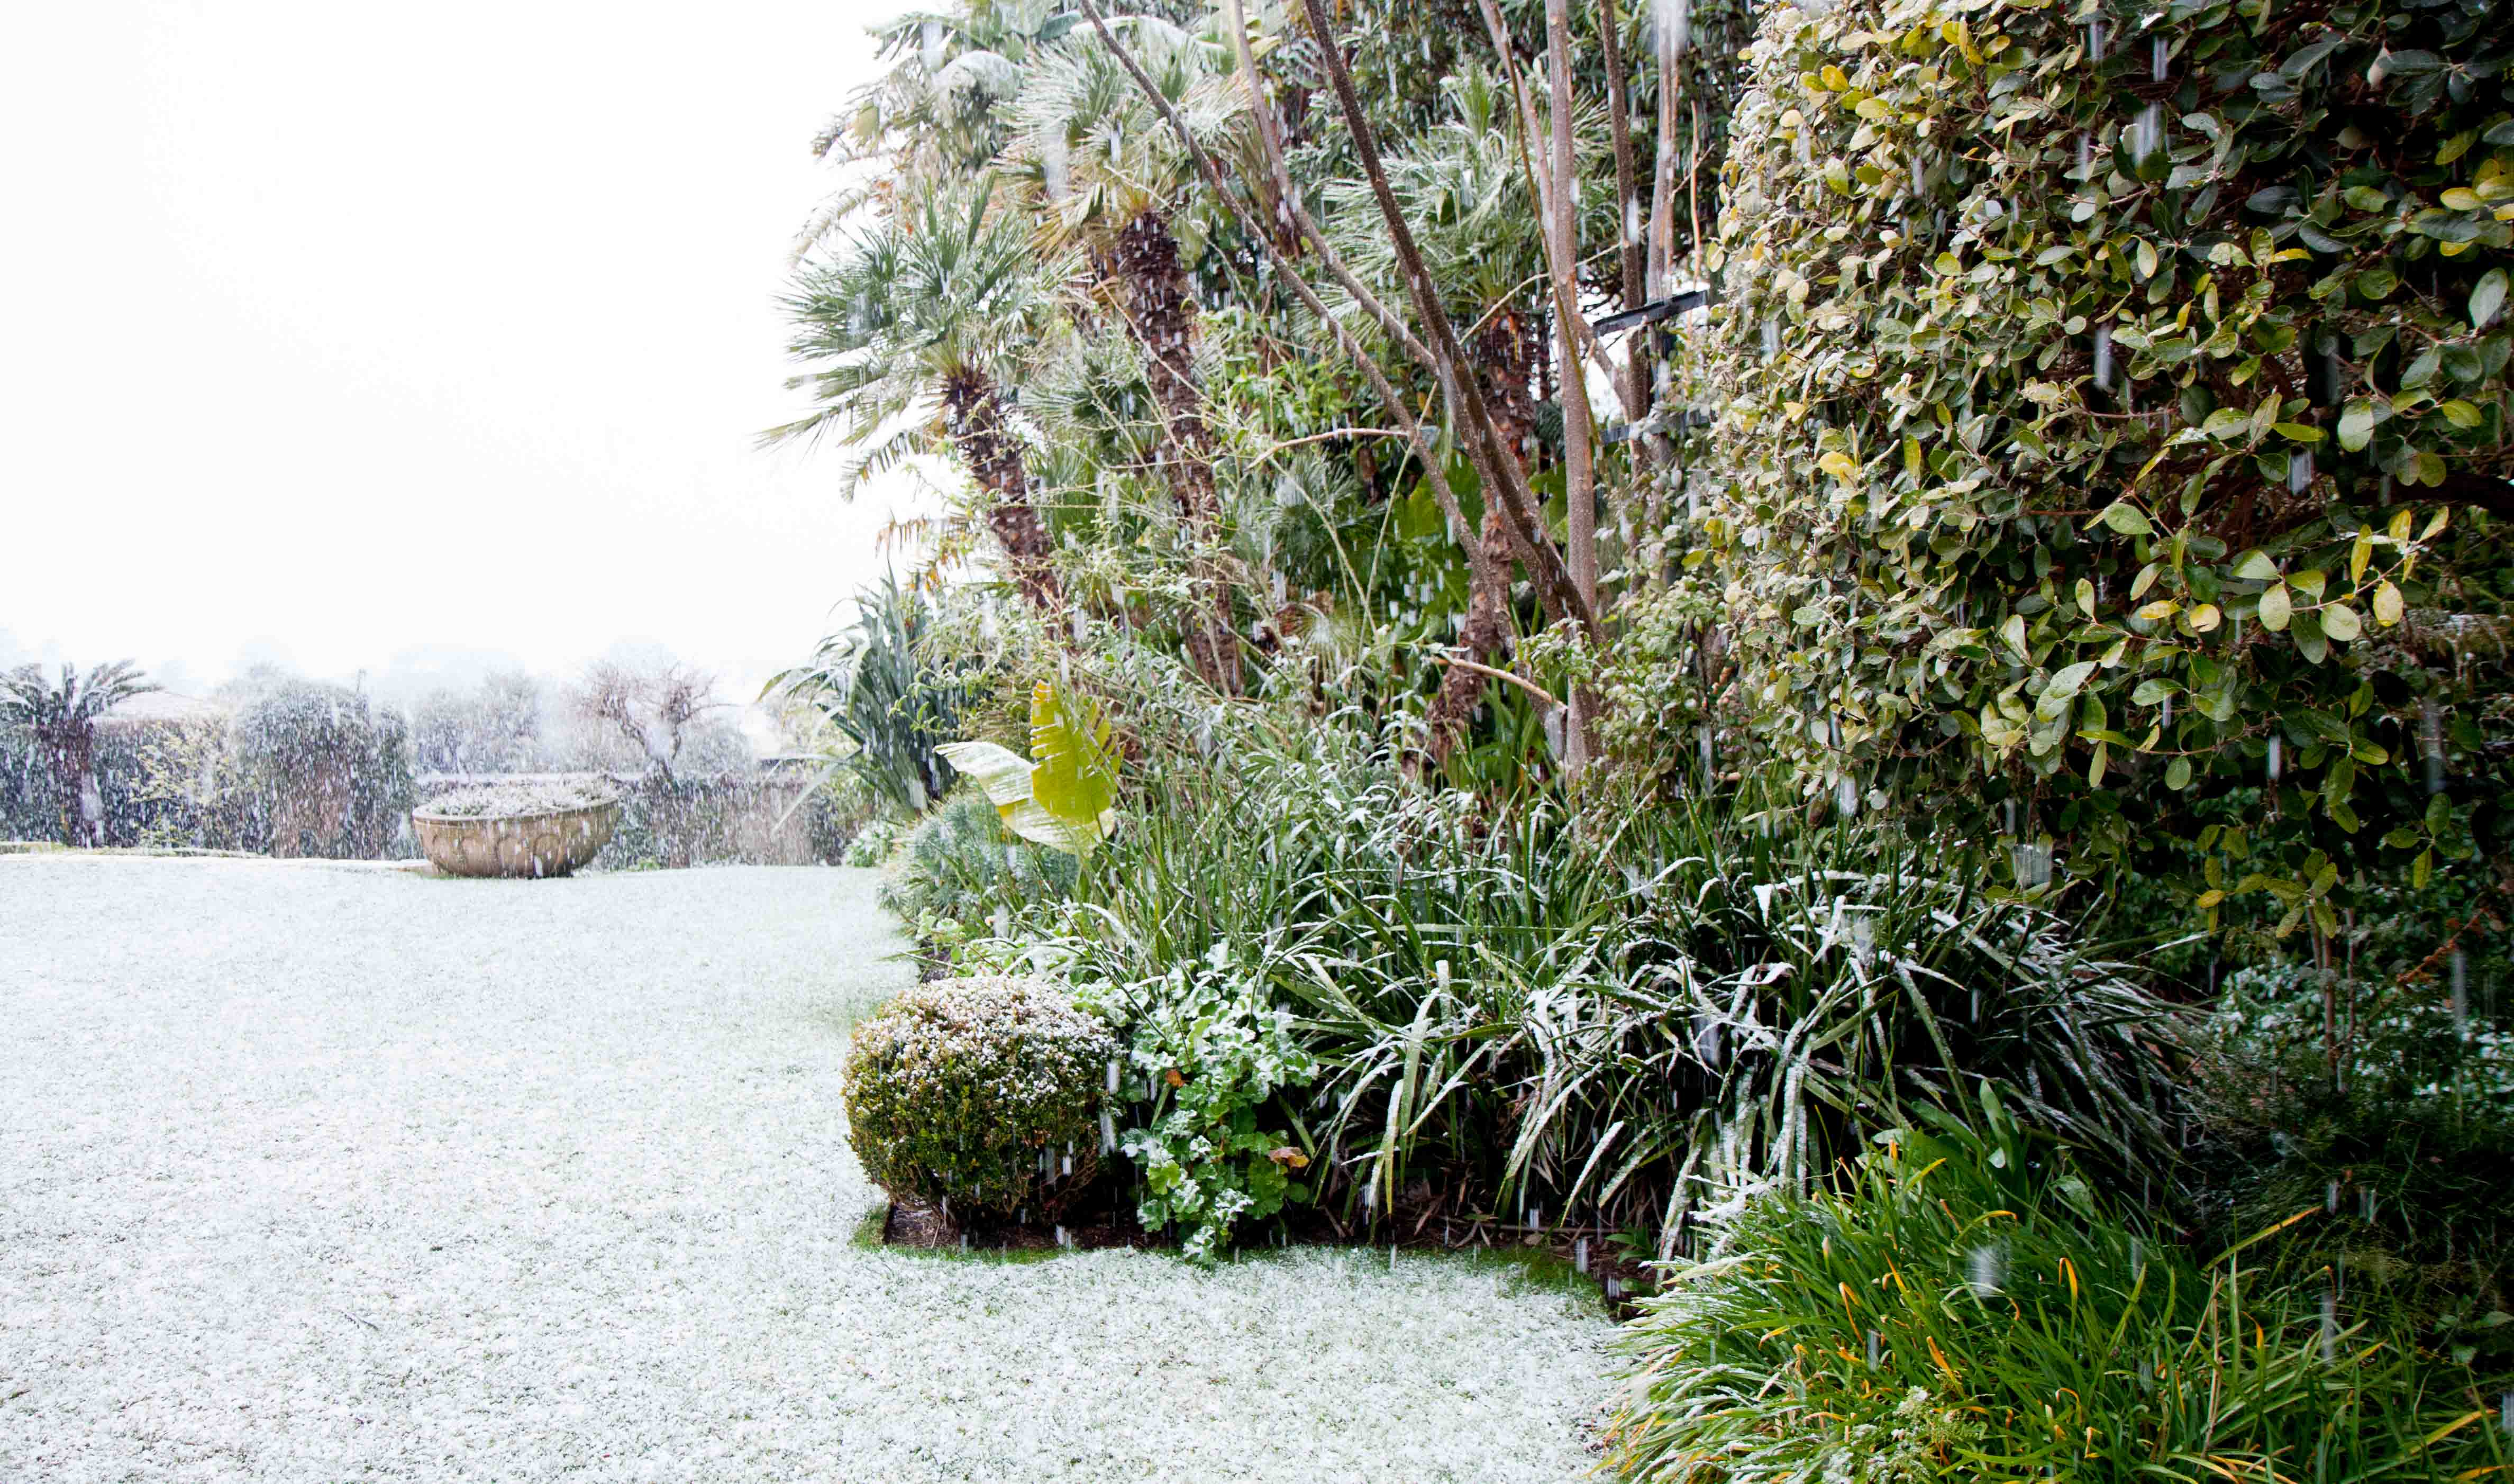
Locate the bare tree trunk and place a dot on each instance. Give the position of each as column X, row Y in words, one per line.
column 1628, row 207
column 1580, row 485
column 1662, row 218
column 975, row 415
column 1143, row 265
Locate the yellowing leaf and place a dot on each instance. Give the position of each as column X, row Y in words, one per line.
column 2274, row 606
column 1076, row 779
column 2360, row 554
column 2206, row 618
column 2387, row 604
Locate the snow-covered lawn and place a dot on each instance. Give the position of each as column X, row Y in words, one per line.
column 323, row 1174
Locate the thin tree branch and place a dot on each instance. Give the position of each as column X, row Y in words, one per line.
column 1529, row 686
column 1269, row 141
column 1499, row 469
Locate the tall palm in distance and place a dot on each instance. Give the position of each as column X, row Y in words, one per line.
column 61, row 718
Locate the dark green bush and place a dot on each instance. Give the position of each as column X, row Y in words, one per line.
column 2392, row 1116
column 982, row 1095
column 2114, row 418
column 1964, row 1308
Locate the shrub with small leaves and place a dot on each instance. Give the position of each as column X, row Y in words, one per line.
column 2114, row 408
column 982, row 1092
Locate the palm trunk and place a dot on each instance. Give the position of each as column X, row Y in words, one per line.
column 1506, row 354
column 70, row 749
column 1143, row 265
column 91, row 804
column 973, row 413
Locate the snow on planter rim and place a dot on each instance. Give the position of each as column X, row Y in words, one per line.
column 517, row 801
column 321, row 1175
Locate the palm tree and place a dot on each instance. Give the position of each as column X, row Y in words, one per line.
column 916, row 330
column 940, row 112
column 1112, row 179
column 61, row 717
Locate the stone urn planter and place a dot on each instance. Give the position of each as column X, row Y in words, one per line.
column 515, row 832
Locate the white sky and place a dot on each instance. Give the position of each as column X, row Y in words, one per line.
column 323, row 323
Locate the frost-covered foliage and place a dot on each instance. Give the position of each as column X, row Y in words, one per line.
column 2107, row 401
column 515, row 799
column 497, row 725
column 2410, row 1040
column 886, row 686
column 59, row 717
column 959, row 864
column 1212, row 1051
column 325, row 772
column 1620, row 1015
column 983, row 1095
column 872, row 844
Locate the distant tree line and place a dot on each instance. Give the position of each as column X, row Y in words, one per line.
column 283, row 765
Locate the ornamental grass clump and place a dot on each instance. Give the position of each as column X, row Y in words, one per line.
column 1964, row 1308
column 980, row 1096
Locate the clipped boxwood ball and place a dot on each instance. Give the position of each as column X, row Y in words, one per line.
column 975, row 1090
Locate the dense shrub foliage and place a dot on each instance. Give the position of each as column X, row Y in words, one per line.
column 2114, row 408
column 2096, row 451
column 980, row 1095
column 1211, row 1052
column 957, row 866
column 1592, row 1023
column 2392, row 1116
